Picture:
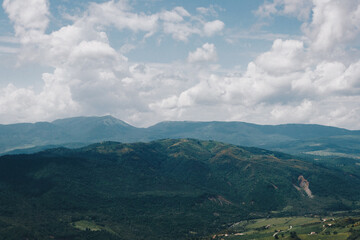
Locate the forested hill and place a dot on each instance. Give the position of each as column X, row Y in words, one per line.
column 166, row 189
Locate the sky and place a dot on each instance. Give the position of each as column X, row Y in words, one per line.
column 147, row 61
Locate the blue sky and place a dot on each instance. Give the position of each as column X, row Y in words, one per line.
column 267, row 62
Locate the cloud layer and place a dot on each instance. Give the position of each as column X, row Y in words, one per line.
column 314, row 79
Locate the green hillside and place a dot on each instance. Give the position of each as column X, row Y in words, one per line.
column 166, row 189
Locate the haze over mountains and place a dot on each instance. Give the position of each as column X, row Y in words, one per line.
column 308, row 139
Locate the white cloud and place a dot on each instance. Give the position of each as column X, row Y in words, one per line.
column 178, row 22
column 205, row 11
column 211, row 28
column 180, row 31
column 333, row 23
column 88, row 51
column 117, row 13
column 174, row 24
column 286, row 84
column 206, row 53
column 127, row 47
column 5, row 49
column 87, row 70
column 171, row 16
column 284, row 57
column 289, row 113
column 21, row 104
column 291, row 82
column 329, row 78
column 210, row 11
column 8, row 39
column 252, row 35
column 299, row 8
column 90, row 77
column 182, row 11
column 30, row 18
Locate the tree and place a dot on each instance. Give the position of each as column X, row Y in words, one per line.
column 293, row 235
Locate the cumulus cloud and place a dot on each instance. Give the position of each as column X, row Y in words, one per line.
column 90, row 76
column 284, row 57
column 210, row 28
column 286, row 84
column 300, row 80
column 21, row 104
column 86, row 67
column 206, row 53
column 117, row 13
column 295, row 81
column 30, row 18
column 333, row 22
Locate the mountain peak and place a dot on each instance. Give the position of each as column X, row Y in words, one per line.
column 110, row 120
column 107, row 120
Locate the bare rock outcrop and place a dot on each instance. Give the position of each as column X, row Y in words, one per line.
column 304, row 185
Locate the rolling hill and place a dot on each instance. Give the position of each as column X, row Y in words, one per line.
column 166, row 189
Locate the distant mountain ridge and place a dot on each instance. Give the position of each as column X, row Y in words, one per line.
column 80, row 131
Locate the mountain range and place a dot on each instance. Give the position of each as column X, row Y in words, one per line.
column 299, row 139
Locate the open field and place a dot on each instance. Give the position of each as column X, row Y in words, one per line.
column 305, row 228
